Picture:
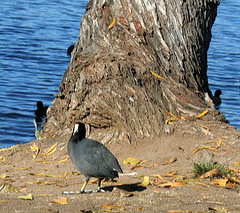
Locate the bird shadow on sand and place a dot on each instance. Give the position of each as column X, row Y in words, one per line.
column 133, row 187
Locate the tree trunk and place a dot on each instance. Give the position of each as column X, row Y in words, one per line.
column 124, row 77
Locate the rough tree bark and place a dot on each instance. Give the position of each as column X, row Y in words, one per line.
column 111, row 82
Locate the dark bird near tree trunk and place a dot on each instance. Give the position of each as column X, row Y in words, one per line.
column 216, row 98
column 91, row 158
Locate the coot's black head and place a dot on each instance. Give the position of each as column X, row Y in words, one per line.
column 39, row 104
column 217, row 93
column 79, row 130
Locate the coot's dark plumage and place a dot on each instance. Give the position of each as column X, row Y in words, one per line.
column 41, row 110
column 70, row 49
column 91, row 158
column 216, row 98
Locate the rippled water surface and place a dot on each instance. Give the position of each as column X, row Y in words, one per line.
column 34, row 37
column 224, row 59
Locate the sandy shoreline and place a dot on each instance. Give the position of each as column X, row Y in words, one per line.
column 51, row 172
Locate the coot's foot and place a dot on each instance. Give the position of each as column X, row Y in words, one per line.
column 98, row 190
column 82, row 192
column 71, row 192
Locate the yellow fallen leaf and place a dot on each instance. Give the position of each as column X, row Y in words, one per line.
column 5, row 176
column 236, row 163
column 173, row 118
column 209, row 147
column 146, row 181
column 144, row 161
column 170, row 161
column 150, row 166
column 206, row 133
column 8, row 188
column 169, row 113
column 172, row 184
column 138, row 167
column 158, row 176
column 219, row 209
column 51, row 149
column 169, row 122
column 112, row 207
column 27, row 168
column 175, row 211
column 10, row 148
column 132, row 161
column 62, row 201
column 142, row 167
column 197, row 149
column 158, row 76
column 4, row 201
column 219, row 143
column 112, row 24
column 205, row 127
column 35, row 148
column 61, row 161
column 3, row 159
column 44, row 160
column 202, row 114
column 234, row 180
column 42, row 175
column 42, row 183
column 221, row 182
column 26, row 197
column 93, row 181
column 1, row 186
column 75, row 173
column 67, row 178
column 23, row 190
column 172, row 173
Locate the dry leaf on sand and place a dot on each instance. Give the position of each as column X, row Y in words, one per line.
column 132, row 161
column 26, row 197
column 173, row 159
column 62, row 201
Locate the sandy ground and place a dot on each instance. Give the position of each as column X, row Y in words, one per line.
column 20, row 175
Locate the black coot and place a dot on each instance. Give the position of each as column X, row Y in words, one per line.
column 91, row 158
column 41, row 110
column 216, row 98
column 70, row 49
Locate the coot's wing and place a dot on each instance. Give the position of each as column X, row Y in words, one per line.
column 109, row 159
column 102, row 161
column 93, row 159
column 85, row 158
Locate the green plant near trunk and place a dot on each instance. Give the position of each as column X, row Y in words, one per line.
column 201, row 168
column 38, row 133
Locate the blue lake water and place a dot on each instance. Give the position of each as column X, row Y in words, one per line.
column 224, row 59
column 34, row 37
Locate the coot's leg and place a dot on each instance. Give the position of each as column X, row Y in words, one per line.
column 84, row 185
column 99, row 186
column 82, row 189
